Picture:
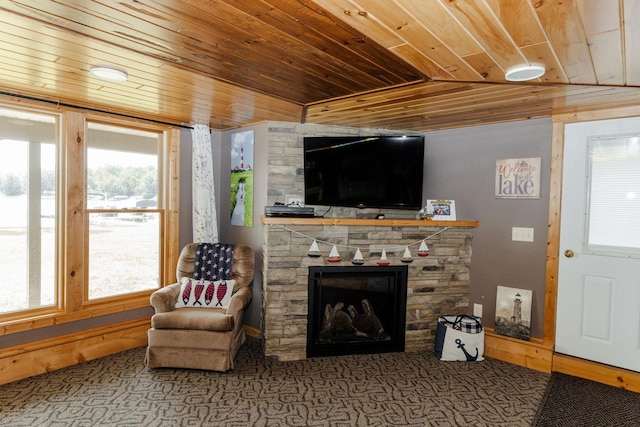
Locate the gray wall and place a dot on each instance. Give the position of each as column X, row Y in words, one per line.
column 460, row 165
column 251, row 236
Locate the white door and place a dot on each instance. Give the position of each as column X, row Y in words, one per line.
column 598, row 310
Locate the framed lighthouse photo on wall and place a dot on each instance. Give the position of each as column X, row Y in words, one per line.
column 242, row 178
column 513, row 312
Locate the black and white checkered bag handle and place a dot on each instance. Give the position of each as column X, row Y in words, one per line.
column 462, row 322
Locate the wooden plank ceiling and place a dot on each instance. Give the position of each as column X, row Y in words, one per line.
column 395, row 64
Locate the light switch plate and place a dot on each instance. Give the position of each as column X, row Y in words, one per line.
column 522, row 234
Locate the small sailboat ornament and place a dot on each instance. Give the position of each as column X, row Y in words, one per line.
column 334, row 256
column 314, row 251
column 383, row 259
column 406, row 257
column 357, row 258
column 423, row 250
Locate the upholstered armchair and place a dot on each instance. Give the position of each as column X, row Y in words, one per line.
column 194, row 326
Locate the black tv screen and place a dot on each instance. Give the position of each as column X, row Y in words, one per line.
column 364, row 172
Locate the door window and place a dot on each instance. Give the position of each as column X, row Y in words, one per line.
column 613, row 226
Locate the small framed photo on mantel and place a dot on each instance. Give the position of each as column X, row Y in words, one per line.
column 442, row 210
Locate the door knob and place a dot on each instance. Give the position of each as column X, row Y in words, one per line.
column 568, row 253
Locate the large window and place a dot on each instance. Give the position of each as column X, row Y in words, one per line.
column 123, row 210
column 88, row 225
column 27, row 210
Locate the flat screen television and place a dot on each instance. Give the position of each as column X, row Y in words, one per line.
column 364, row 172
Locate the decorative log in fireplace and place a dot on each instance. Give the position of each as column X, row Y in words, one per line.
column 356, row 309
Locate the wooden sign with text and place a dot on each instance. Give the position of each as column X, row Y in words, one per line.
column 518, row 178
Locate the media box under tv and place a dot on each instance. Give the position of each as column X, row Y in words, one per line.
column 289, row 211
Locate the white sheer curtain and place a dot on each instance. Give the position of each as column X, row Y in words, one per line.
column 205, row 221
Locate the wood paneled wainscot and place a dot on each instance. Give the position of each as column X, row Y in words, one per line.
column 437, row 284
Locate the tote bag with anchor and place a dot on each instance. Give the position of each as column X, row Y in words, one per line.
column 459, row 338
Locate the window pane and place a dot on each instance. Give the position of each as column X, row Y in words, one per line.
column 122, row 168
column 27, row 210
column 614, row 195
column 122, row 175
column 124, row 253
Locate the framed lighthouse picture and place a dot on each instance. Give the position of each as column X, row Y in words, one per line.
column 242, row 179
column 513, row 312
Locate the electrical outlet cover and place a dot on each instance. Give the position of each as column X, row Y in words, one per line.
column 293, row 200
column 477, row 310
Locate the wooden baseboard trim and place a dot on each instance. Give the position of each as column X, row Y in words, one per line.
column 43, row 356
column 610, row 375
column 252, row 332
column 530, row 354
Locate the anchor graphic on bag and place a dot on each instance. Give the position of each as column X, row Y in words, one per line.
column 454, row 334
column 470, row 358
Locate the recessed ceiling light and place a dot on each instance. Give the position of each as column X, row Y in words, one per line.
column 522, row 73
column 110, row 74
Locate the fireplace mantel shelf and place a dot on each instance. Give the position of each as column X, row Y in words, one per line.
column 368, row 222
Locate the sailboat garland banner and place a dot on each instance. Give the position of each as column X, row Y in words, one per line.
column 358, row 259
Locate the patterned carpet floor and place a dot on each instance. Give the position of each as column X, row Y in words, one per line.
column 394, row 389
column 576, row 402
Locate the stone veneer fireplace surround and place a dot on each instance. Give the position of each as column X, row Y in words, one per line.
column 437, row 284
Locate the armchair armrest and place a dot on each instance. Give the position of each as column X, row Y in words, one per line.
column 164, row 300
column 239, row 300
